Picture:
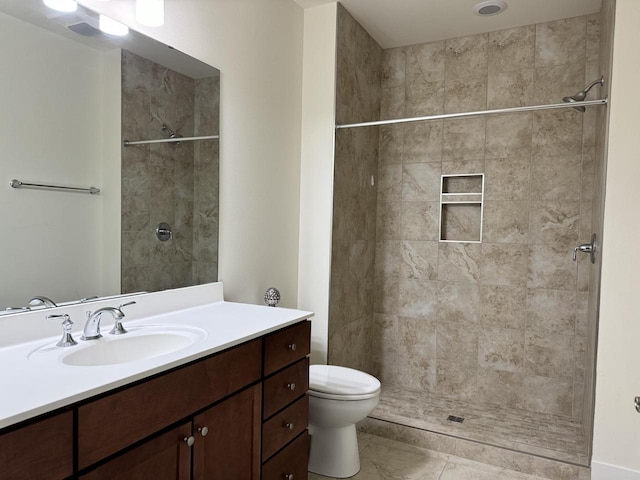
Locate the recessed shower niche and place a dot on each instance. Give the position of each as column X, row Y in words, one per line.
column 461, row 207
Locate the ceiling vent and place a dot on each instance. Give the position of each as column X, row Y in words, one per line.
column 489, row 8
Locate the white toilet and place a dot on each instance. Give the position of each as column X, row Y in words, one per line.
column 339, row 397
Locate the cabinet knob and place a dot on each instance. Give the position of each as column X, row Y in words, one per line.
column 203, row 431
column 288, row 476
column 289, row 426
column 291, row 386
column 293, row 347
column 190, row 440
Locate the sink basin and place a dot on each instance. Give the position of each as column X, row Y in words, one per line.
column 140, row 343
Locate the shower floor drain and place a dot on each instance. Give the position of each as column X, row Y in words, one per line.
column 453, row 418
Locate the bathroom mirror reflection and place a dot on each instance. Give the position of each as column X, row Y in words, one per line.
column 70, row 96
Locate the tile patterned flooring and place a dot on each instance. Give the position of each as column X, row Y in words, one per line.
column 544, row 435
column 383, row 459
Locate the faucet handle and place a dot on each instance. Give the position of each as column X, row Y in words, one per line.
column 118, row 329
column 66, row 340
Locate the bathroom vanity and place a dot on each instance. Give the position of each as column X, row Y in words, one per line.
column 227, row 405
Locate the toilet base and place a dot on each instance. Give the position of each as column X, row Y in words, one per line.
column 334, row 451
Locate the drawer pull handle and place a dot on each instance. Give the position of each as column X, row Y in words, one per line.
column 190, row 440
column 203, row 431
column 291, row 386
column 289, row 426
column 293, row 347
column 288, row 476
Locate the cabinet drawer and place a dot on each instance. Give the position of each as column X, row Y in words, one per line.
column 111, row 423
column 284, row 427
column 41, row 450
column 286, row 346
column 284, row 387
column 293, row 461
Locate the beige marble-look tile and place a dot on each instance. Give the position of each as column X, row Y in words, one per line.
column 505, row 222
column 557, row 132
column 551, row 311
column 393, row 67
column 582, row 319
column 516, row 461
column 561, row 42
column 548, row 395
column 461, row 223
column 593, row 37
column 406, row 434
column 507, row 178
column 552, row 84
column 418, row 259
column 386, row 295
column 385, row 459
column 549, row 355
column 422, row 142
column 501, row 349
column 463, row 139
column 510, row 89
column 420, row 220
column 420, row 182
column 588, row 176
column 391, row 143
column 463, row 166
column 552, row 267
column 465, row 95
column 466, row 57
column 580, row 359
column 388, row 258
column 389, row 220
column 554, row 222
column 503, row 306
column 424, row 99
column 462, row 469
column 459, row 262
column 509, row 135
column 425, row 63
column 556, row 177
column 503, row 264
column 392, row 104
column 499, row 387
column 458, row 302
column 418, row 298
column 513, row 49
column 390, row 183
column 457, row 379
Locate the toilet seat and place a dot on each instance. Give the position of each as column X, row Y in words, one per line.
column 341, row 383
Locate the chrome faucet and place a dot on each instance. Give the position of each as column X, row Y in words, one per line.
column 41, row 300
column 92, row 327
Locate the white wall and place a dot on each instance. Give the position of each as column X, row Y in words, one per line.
column 257, row 45
column 316, row 179
column 616, row 444
column 51, row 132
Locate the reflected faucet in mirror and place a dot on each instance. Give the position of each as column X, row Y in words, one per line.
column 41, row 300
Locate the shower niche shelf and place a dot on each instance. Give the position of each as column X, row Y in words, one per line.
column 461, row 207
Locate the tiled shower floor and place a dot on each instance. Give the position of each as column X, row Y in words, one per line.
column 544, row 435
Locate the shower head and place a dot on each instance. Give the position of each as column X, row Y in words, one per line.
column 581, row 96
column 172, row 134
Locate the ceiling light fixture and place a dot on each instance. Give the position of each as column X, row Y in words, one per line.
column 489, row 8
column 110, row 26
column 150, row 12
column 66, row 6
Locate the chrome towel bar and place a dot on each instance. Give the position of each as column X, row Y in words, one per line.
column 18, row 184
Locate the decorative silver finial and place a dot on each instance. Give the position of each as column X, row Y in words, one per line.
column 272, row 296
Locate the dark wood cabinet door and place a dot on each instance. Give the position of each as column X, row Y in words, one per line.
column 43, row 449
column 167, row 457
column 231, row 448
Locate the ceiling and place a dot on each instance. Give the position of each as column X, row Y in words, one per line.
column 396, row 23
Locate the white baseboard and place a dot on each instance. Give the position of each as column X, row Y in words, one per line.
column 604, row 471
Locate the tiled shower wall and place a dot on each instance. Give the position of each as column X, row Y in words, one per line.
column 177, row 184
column 354, row 197
column 502, row 322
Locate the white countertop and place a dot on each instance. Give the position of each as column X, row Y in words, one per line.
column 34, row 380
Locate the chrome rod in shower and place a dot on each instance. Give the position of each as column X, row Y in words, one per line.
column 18, row 184
column 444, row 116
column 126, row 143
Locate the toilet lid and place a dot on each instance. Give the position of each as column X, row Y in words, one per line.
column 336, row 380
